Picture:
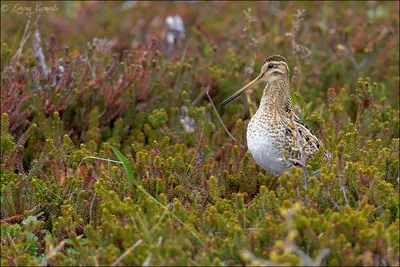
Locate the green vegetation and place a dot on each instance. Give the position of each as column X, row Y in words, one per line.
column 112, row 154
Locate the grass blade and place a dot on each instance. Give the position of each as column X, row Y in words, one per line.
column 125, row 164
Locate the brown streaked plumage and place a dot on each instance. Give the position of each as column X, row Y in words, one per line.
column 271, row 130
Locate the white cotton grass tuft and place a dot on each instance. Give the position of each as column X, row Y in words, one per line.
column 175, row 26
column 186, row 121
column 175, row 31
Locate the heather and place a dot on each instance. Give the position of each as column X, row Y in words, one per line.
column 113, row 151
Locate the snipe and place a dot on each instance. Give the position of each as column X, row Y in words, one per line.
column 275, row 128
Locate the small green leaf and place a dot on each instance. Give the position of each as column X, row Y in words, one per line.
column 31, row 238
column 308, row 106
column 125, row 163
column 206, row 49
column 69, row 242
column 29, row 219
column 39, row 190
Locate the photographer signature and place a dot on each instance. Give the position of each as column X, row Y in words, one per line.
column 29, row 11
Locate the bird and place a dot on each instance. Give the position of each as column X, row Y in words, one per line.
column 276, row 137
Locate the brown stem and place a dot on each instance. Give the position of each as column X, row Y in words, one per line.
column 219, row 118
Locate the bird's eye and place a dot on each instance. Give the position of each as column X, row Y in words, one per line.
column 270, row 65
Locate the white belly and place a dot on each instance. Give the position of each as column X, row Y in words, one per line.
column 261, row 147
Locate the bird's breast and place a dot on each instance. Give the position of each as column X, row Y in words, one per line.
column 263, row 146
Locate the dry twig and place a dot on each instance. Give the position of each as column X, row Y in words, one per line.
column 24, row 38
column 248, row 256
column 120, row 258
column 52, row 252
column 219, row 118
column 289, row 242
column 38, row 51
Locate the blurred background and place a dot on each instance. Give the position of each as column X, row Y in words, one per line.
column 329, row 44
column 252, row 29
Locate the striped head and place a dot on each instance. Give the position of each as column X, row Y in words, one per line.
column 274, row 68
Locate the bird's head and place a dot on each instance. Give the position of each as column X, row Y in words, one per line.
column 274, row 68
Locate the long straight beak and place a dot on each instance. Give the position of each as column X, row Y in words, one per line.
column 244, row 89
